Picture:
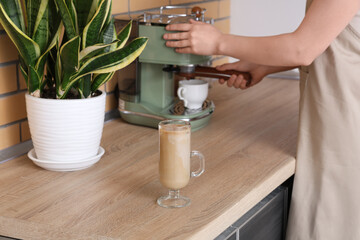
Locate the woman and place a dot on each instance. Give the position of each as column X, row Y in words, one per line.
column 325, row 201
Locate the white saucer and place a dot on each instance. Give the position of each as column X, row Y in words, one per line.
column 66, row 166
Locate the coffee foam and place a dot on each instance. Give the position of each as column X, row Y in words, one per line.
column 174, row 128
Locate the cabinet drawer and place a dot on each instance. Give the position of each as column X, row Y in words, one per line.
column 265, row 221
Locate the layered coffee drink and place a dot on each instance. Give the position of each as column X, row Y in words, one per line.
column 174, row 166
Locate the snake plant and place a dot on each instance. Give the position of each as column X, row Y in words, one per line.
column 67, row 47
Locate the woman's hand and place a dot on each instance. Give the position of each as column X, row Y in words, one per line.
column 194, row 37
column 257, row 72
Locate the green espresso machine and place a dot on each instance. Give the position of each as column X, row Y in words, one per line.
column 147, row 88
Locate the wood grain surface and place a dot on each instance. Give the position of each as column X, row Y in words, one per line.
column 249, row 147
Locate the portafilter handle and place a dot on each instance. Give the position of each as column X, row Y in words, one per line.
column 211, row 72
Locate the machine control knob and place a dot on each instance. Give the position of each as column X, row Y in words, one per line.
column 197, row 11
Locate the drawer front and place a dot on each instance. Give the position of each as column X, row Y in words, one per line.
column 265, row 221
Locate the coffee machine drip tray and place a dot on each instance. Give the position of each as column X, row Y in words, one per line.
column 180, row 110
column 146, row 115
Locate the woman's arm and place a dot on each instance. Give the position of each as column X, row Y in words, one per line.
column 258, row 72
column 324, row 20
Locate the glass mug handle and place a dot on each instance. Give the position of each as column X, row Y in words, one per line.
column 201, row 169
column 180, row 93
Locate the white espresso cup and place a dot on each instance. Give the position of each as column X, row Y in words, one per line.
column 193, row 92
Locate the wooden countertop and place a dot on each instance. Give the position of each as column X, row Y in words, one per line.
column 249, row 147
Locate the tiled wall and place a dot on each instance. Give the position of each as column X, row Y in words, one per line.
column 13, row 122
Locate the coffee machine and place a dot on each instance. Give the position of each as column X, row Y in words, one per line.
column 147, row 87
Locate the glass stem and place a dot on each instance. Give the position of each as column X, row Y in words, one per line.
column 174, row 194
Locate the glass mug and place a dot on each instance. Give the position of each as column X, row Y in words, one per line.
column 174, row 165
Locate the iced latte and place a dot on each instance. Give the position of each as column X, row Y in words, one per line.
column 174, row 164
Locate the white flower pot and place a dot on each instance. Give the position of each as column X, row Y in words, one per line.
column 66, row 130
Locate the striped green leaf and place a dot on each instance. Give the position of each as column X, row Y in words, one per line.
column 41, row 33
column 85, row 11
column 109, row 15
column 108, row 35
column 34, row 82
column 23, row 64
column 32, row 9
column 43, row 59
column 97, row 49
column 55, row 24
column 14, row 11
column 100, row 79
column 40, row 66
column 94, row 7
column 69, row 54
column 50, row 66
column 73, row 14
column 111, row 61
column 124, row 34
column 25, row 75
column 54, row 17
column 85, row 86
column 66, row 16
column 58, row 74
column 28, row 49
column 93, row 28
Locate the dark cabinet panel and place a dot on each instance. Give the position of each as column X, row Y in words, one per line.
column 229, row 234
column 8, row 238
column 265, row 221
column 268, row 220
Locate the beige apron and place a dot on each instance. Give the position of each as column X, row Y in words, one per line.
column 326, row 195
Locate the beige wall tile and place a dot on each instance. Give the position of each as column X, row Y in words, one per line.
column 223, row 25
column 212, row 9
column 176, row 2
column 119, row 6
column 176, row 11
column 224, row 8
column 136, row 5
column 12, row 108
column 8, row 81
column 125, row 16
column 102, row 88
column 111, row 84
column 111, row 102
column 8, row 50
column 9, row 136
column 25, row 131
column 21, row 80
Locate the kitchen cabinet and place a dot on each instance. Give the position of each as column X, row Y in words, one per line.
column 266, row 220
